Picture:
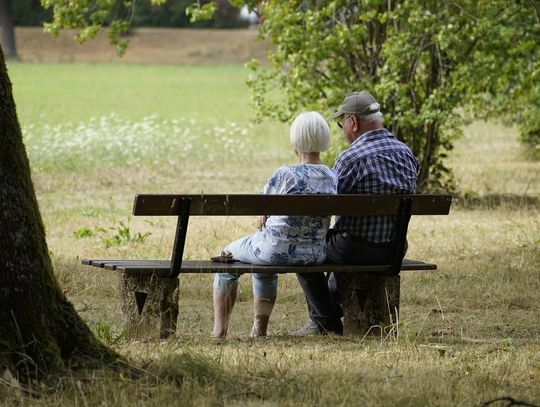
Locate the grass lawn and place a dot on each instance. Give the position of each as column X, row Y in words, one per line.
column 62, row 93
column 97, row 134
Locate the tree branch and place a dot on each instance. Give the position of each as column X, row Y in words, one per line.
column 534, row 5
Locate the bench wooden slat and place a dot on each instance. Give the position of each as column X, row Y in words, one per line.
column 145, row 263
column 162, row 267
column 102, row 263
column 307, row 205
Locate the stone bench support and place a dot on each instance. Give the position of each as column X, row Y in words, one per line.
column 370, row 303
column 149, row 304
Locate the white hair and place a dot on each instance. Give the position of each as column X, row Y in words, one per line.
column 376, row 117
column 310, row 133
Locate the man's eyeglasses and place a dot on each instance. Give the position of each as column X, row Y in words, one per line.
column 340, row 122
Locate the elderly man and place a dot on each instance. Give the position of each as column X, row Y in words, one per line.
column 374, row 163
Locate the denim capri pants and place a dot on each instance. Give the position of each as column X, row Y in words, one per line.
column 264, row 284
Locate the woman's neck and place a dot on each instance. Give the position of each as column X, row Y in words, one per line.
column 310, row 158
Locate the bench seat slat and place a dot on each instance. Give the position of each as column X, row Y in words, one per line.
column 103, row 263
column 162, row 267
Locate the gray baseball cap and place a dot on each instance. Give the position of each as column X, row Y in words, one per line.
column 357, row 103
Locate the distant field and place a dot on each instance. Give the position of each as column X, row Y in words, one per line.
column 147, row 45
column 469, row 332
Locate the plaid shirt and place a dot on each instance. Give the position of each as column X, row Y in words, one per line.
column 375, row 163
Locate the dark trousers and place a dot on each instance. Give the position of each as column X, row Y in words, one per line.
column 321, row 292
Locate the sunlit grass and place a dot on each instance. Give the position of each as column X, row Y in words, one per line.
column 489, row 160
column 71, row 93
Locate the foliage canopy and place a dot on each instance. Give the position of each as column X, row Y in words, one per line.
column 172, row 13
column 431, row 64
column 88, row 17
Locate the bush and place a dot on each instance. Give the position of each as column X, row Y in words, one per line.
column 427, row 63
column 530, row 136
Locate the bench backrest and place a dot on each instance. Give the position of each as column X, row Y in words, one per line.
column 184, row 206
column 243, row 205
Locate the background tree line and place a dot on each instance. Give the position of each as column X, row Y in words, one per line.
column 172, row 13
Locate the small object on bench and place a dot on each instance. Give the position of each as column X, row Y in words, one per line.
column 369, row 294
column 224, row 257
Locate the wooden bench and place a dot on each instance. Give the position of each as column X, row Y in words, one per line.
column 370, row 294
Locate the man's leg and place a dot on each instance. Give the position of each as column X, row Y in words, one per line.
column 321, row 292
column 342, row 248
column 320, row 305
column 336, row 249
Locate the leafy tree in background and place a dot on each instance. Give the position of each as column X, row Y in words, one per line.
column 431, row 64
column 117, row 16
column 173, row 14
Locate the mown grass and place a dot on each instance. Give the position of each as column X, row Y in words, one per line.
column 71, row 93
column 469, row 332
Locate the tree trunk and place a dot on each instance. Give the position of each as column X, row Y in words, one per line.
column 8, row 29
column 40, row 331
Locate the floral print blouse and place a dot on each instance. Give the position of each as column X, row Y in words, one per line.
column 296, row 240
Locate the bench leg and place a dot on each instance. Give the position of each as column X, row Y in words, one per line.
column 370, row 303
column 149, row 304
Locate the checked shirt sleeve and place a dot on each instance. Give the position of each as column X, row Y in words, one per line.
column 346, row 170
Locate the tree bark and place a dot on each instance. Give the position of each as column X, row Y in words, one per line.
column 8, row 29
column 40, row 332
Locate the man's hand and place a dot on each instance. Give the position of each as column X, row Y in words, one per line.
column 261, row 222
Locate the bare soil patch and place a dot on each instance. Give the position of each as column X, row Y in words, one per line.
column 146, row 45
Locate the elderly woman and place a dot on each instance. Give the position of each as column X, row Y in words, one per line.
column 281, row 240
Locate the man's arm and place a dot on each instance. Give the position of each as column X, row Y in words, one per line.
column 346, row 171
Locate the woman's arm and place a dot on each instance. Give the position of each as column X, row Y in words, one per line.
column 274, row 186
column 261, row 222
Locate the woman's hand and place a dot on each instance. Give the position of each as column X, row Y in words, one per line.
column 261, row 222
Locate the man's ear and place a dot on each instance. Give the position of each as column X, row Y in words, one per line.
column 356, row 123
